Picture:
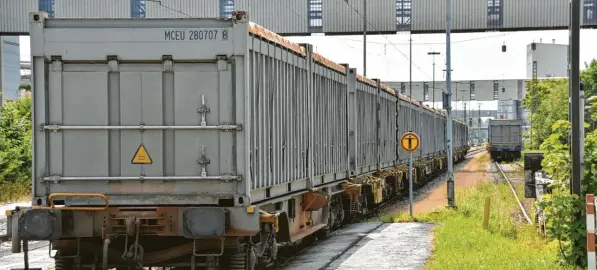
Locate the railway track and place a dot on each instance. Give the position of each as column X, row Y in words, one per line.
column 378, row 210
column 505, row 171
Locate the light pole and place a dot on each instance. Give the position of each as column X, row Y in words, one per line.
column 450, row 182
column 433, row 54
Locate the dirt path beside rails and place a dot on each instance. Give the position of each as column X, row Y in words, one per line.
column 472, row 172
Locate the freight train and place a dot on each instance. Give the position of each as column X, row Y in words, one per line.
column 505, row 139
column 206, row 143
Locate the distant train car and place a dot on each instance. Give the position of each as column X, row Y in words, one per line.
column 505, row 139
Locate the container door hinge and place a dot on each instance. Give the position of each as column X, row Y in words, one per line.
column 203, row 162
column 230, row 127
column 222, row 62
column 55, row 178
column 203, row 110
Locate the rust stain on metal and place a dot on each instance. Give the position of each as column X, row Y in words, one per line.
column 328, row 63
column 162, row 221
column 261, row 32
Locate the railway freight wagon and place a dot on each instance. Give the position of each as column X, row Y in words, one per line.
column 205, row 143
column 505, row 139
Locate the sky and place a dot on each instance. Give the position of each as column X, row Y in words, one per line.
column 475, row 56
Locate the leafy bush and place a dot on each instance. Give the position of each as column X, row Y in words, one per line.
column 561, row 208
column 15, row 149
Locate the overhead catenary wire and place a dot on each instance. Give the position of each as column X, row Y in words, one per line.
column 421, row 43
column 386, row 37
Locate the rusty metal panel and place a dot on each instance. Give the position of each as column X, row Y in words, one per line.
column 280, row 16
column 92, row 9
column 183, row 9
column 535, row 13
column 343, row 16
column 14, row 15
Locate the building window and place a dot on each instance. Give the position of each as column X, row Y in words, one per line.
column 494, row 13
column 403, row 88
column 590, row 12
column 315, row 13
column 47, row 6
column 138, row 8
column 425, row 91
column 226, row 8
column 403, row 12
column 496, row 94
column 472, row 91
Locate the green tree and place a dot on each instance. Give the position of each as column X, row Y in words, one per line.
column 25, row 86
column 589, row 77
column 561, row 207
column 15, row 141
column 548, row 102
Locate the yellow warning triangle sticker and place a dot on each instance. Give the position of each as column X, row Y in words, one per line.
column 141, row 156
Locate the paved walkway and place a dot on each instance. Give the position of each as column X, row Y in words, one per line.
column 370, row 246
column 391, row 246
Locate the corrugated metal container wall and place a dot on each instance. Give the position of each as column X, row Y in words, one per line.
column 535, row 13
column 92, row 9
column 330, row 152
column 264, row 96
column 367, row 150
column 458, row 133
column 387, row 130
column 339, row 17
column 279, row 16
column 183, row 9
column 427, row 133
column 14, row 15
column 440, row 133
column 409, row 121
column 430, row 15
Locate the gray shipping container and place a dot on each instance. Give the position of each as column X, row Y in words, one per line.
column 505, row 133
column 203, row 101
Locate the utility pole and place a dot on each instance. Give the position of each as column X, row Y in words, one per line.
column 365, row 38
column 410, row 79
column 479, row 120
column 574, row 77
column 449, row 109
column 433, row 54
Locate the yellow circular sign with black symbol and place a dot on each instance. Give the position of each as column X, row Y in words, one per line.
column 410, row 142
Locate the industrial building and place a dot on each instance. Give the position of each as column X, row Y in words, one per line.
column 10, row 76
column 332, row 17
column 547, row 60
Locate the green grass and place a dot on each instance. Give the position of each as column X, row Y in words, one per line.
column 12, row 192
column 509, row 243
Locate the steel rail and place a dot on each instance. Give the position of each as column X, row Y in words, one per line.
column 524, row 211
